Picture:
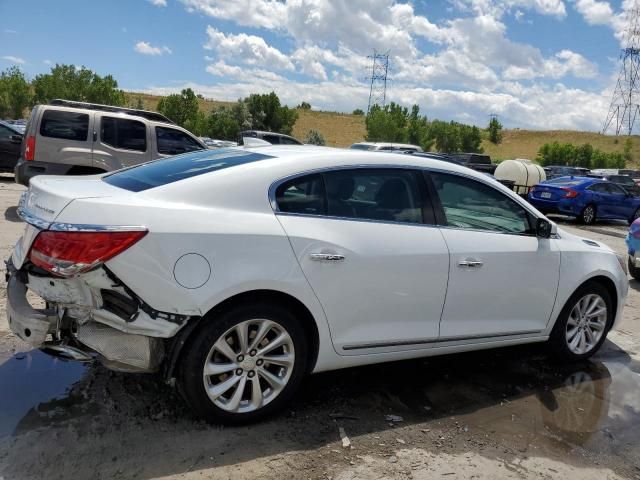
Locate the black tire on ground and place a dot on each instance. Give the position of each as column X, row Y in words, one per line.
column 635, row 216
column 588, row 214
column 633, row 270
column 557, row 339
column 191, row 364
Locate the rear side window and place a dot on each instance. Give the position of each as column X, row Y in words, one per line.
column 168, row 170
column 386, row 195
column 65, row 125
column 173, row 142
column 304, row 195
column 123, row 133
column 469, row 204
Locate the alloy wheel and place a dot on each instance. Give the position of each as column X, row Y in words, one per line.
column 589, row 214
column 249, row 365
column 586, row 324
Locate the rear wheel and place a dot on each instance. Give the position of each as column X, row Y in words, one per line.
column 583, row 323
column 244, row 365
column 588, row 215
column 635, row 216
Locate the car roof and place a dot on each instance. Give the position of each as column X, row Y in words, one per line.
column 11, row 126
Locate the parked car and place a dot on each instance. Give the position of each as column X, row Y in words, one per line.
column 625, row 181
column 310, row 259
column 10, row 140
column 386, row 147
column 586, row 198
column 18, row 125
column 213, row 143
column 270, row 137
column 633, row 247
column 77, row 138
column 555, row 171
column 477, row 161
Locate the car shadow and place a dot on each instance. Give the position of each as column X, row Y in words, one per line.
column 7, row 178
column 11, row 214
column 515, row 397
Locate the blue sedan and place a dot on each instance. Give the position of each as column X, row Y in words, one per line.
column 585, row 198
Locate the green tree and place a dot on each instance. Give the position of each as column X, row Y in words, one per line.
column 358, row 111
column 446, row 136
column 495, row 131
column 222, row 124
column 241, row 115
column 388, row 124
column 304, row 106
column 267, row 113
column 418, row 129
column 181, row 108
column 314, row 137
column 583, row 156
column 15, row 94
column 81, row 84
column 470, row 138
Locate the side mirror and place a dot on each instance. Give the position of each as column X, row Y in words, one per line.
column 544, row 228
column 16, row 139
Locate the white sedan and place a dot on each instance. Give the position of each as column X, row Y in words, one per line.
column 238, row 271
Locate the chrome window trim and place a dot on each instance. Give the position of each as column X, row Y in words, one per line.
column 42, row 224
column 274, row 204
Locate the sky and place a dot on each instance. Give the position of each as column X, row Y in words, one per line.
column 538, row 64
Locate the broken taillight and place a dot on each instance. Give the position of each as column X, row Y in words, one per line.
column 69, row 253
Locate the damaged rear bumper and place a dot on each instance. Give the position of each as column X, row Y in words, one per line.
column 92, row 315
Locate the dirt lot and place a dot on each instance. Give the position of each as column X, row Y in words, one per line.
column 506, row 413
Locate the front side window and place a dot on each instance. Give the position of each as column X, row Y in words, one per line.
column 366, row 194
column 64, row 125
column 5, row 133
column 470, row 204
column 173, row 142
column 124, row 134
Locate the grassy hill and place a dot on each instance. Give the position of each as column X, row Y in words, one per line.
column 343, row 129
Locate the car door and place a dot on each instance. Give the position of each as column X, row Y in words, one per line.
column 365, row 241
column 599, row 196
column 502, row 278
column 621, row 201
column 120, row 142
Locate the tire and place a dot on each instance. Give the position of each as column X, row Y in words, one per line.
column 277, row 383
column 633, row 270
column 588, row 214
column 635, row 216
column 561, row 337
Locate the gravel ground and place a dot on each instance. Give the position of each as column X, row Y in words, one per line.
column 507, row 413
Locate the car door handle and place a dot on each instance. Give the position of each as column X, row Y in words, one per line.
column 326, row 257
column 470, row 263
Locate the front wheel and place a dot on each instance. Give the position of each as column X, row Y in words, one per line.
column 583, row 323
column 588, row 215
column 635, row 216
column 244, row 364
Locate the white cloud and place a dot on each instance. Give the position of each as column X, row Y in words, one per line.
column 47, row 62
column 158, row 3
column 248, row 49
column 470, row 66
column 252, row 13
column 13, row 59
column 146, row 48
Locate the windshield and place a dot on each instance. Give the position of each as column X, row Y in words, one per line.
column 173, row 169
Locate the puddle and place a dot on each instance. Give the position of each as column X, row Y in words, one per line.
column 512, row 397
column 34, row 384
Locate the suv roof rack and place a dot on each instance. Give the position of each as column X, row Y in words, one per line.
column 158, row 117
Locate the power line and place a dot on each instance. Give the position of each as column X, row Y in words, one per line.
column 625, row 104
